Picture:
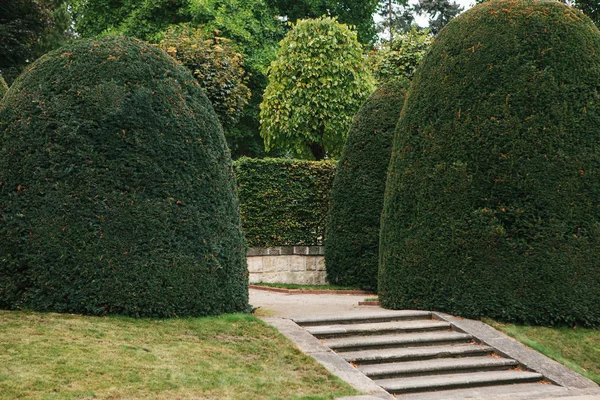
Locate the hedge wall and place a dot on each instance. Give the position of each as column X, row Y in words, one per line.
column 352, row 245
column 492, row 201
column 284, row 202
column 117, row 193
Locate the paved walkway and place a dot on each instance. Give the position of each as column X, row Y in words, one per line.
column 274, row 304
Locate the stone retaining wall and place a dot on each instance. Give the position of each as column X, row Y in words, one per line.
column 304, row 265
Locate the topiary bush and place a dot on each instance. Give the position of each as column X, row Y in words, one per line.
column 284, row 202
column 117, row 192
column 352, row 230
column 3, row 87
column 493, row 192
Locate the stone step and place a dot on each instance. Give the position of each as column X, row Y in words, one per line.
column 520, row 391
column 376, row 328
column 415, row 353
column 454, row 381
column 398, row 340
column 402, row 315
column 437, row 366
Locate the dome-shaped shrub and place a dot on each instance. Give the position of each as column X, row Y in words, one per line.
column 117, row 193
column 352, row 234
column 3, row 87
column 492, row 204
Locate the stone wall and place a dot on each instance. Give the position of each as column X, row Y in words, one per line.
column 303, row 265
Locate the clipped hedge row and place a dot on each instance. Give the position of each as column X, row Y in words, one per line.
column 284, row 202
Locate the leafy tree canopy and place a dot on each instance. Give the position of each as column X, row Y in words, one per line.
column 399, row 57
column 216, row 66
column 396, row 15
column 440, row 12
column 358, row 13
column 316, row 84
column 23, row 24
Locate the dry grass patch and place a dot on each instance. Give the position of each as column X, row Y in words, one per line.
column 57, row 356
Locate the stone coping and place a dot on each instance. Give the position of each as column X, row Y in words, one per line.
column 311, row 291
column 286, row 251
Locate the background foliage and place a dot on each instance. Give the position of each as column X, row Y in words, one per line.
column 29, row 28
column 215, row 64
column 283, row 202
column 117, row 192
column 491, row 204
column 352, row 231
column 399, row 57
column 316, row 84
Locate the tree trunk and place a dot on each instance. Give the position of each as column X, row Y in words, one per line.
column 318, row 151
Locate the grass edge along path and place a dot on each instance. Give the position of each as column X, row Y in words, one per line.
column 575, row 348
column 65, row 356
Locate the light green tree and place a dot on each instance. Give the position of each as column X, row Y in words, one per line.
column 317, row 82
column 399, row 57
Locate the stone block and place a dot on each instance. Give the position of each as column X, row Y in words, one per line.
column 320, row 263
column 257, row 251
column 301, row 250
column 282, row 263
column 311, row 263
column 287, row 250
column 316, row 250
column 298, row 263
column 270, row 277
column 269, row 264
column 274, row 251
column 255, row 264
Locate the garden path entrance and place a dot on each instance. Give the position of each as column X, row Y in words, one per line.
column 415, row 354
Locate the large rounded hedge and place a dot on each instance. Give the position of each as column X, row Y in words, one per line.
column 352, row 231
column 117, row 193
column 492, row 203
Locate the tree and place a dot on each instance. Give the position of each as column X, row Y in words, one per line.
column 358, row 13
column 589, row 7
column 352, row 229
column 440, row 12
column 316, row 84
column 22, row 24
column 30, row 28
column 400, row 57
column 396, row 15
column 491, row 205
column 215, row 64
column 118, row 195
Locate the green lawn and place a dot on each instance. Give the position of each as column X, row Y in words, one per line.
column 57, row 356
column 577, row 348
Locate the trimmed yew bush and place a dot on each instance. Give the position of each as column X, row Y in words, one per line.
column 352, row 233
column 3, row 87
column 492, row 201
column 117, row 192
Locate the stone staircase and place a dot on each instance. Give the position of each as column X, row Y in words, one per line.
column 411, row 352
